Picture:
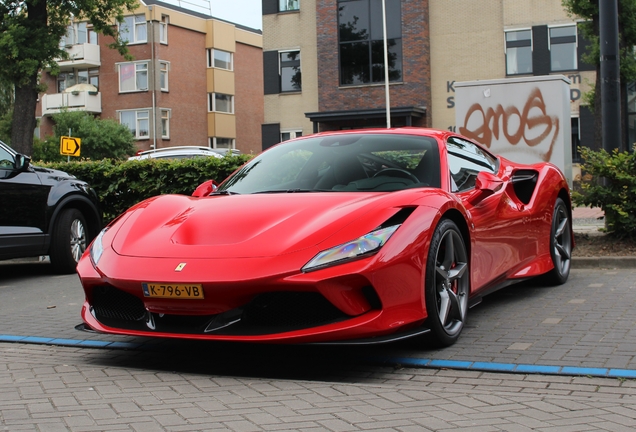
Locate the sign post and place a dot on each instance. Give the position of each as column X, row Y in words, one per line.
column 70, row 146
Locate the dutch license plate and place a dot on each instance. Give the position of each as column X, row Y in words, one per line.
column 176, row 291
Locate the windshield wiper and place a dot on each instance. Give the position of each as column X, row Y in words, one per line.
column 292, row 191
column 224, row 192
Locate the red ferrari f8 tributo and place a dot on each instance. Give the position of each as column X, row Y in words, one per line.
column 357, row 237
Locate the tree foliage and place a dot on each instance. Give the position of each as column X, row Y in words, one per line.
column 589, row 11
column 101, row 139
column 30, row 33
column 612, row 187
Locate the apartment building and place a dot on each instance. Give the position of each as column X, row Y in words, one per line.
column 432, row 44
column 193, row 80
column 336, row 48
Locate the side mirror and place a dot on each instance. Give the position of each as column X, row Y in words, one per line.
column 22, row 162
column 486, row 184
column 205, row 189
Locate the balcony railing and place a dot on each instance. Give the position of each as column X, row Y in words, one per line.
column 75, row 101
column 81, row 56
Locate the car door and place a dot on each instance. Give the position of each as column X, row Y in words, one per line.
column 498, row 233
column 23, row 201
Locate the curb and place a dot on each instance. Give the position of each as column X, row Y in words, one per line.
column 609, row 262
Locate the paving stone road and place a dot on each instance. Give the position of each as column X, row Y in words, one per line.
column 187, row 386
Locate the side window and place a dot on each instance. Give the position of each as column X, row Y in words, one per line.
column 465, row 161
column 6, row 159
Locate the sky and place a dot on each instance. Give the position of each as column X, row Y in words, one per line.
column 245, row 12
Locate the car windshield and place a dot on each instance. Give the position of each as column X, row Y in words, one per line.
column 342, row 163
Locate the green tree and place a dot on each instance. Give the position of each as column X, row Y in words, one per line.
column 101, row 139
column 30, row 33
column 588, row 10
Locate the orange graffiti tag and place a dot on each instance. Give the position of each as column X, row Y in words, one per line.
column 489, row 122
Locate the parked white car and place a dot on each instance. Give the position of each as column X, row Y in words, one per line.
column 178, row 152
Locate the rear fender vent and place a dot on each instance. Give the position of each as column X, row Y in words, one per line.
column 524, row 183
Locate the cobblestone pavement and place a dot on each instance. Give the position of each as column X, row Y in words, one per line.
column 48, row 388
column 190, row 386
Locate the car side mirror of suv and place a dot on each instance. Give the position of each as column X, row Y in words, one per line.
column 22, row 162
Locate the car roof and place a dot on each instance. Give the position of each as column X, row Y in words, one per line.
column 176, row 151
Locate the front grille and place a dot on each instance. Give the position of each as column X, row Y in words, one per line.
column 111, row 303
column 267, row 313
column 290, row 310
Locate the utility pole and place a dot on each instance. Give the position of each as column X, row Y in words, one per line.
column 610, row 75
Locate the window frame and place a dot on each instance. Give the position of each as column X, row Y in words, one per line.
column 138, row 120
column 212, row 103
column 289, row 64
column 370, row 42
column 164, row 73
column 133, row 30
column 518, row 43
column 163, row 29
column 134, row 63
column 293, row 133
column 211, row 59
column 563, row 40
column 289, row 9
column 214, row 143
column 165, row 115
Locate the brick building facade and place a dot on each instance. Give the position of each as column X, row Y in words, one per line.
column 193, row 80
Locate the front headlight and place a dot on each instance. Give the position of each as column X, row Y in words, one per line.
column 366, row 245
column 97, row 247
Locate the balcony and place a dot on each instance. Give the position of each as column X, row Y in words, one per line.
column 88, row 101
column 81, row 56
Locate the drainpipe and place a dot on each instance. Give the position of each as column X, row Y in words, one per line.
column 154, row 80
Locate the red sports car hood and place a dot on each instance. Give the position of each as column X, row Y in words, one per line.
column 177, row 226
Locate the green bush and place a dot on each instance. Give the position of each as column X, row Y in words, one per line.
column 122, row 184
column 611, row 185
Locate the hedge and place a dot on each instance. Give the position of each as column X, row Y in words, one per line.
column 121, row 184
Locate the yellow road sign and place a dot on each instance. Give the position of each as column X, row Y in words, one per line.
column 70, row 146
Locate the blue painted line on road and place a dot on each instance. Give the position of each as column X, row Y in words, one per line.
column 401, row 361
column 69, row 342
column 507, row 367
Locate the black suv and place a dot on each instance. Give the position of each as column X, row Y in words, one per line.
column 44, row 212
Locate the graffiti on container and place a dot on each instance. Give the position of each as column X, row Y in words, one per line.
column 532, row 126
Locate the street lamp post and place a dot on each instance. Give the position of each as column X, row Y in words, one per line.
column 386, row 67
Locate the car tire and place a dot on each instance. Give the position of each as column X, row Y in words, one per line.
column 447, row 283
column 68, row 241
column 560, row 244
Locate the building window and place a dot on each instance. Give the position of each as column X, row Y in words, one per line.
column 133, row 29
column 360, row 31
column 78, row 33
column 165, row 123
column 563, row 48
column 220, row 59
column 65, row 80
column 137, row 122
column 287, row 135
column 290, row 77
column 218, row 102
column 518, row 52
column 288, row 5
column 163, row 75
column 163, row 29
column 93, row 77
column 224, row 143
column 133, row 76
